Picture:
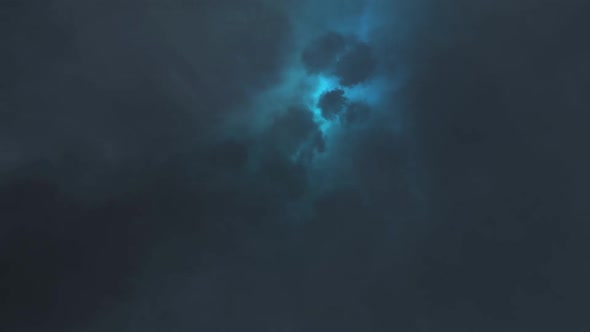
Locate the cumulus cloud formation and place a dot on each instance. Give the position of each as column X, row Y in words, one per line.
column 259, row 165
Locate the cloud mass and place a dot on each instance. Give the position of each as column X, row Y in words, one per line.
column 254, row 165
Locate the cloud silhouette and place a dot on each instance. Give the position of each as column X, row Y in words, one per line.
column 357, row 112
column 356, row 65
column 322, row 53
column 332, row 103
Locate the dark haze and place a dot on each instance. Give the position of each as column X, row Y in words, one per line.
column 126, row 204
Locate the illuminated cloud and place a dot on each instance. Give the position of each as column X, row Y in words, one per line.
column 332, row 103
column 332, row 75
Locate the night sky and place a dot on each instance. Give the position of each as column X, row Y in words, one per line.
column 294, row 165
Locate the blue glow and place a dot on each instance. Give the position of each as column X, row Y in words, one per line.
column 322, row 85
column 299, row 86
column 368, row 92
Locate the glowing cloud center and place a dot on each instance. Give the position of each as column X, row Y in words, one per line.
column 366, row 92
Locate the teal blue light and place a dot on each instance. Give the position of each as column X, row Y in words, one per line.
column 322, row 85
column 368, row 92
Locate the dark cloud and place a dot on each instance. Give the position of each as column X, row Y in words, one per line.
column 282, row 176
column 229, row 154
column 357, row 112
column 292, row 129
column 126, row 206
column 322, row 53
column 332, row 103
column 62, row 259
column 356, row 65
column 499, row 140
column 109, row 122
column 349, row 59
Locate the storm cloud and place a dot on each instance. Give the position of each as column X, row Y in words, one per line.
column 332, row 102
column 322, row 53
column 287, row 165
column 355, row 66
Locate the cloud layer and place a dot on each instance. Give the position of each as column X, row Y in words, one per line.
column 294, row 165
